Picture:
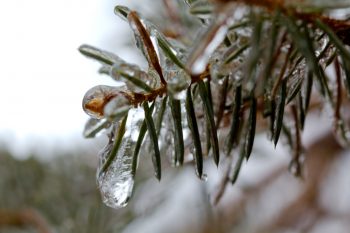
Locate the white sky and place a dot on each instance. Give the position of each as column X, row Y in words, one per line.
column 42, row 75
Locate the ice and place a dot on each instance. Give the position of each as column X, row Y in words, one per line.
column 139, row 42
column 154, row 80
column 220, row 69
column 97, row 97
column 129, row 69
column 116, row 108
column 167, row 137
column 105, row 57
column 116, row 183
column 177, row 82
column 93, row 127
column 122, row 11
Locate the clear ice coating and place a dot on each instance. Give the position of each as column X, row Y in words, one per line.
column 125, row 72
column 116, row 108
column 167, row 136
column 138, row 40
column 95, row 126
column 177, row 80
column 105, row 57
column 220, row 69
column 116, row 183
column 124, row 13
column 97, row 97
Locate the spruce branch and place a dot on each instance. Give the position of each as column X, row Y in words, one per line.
column 232, row 77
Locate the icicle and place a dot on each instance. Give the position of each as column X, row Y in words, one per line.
column 116, row 182
column 97, row 97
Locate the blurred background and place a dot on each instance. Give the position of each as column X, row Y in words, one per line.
column 47, row 169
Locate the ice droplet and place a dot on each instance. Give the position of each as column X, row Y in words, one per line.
column 97, row 97
column 117, row 182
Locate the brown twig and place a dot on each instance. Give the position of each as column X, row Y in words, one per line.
column 151, row 52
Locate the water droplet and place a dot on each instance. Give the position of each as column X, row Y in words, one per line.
column 97, row 97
